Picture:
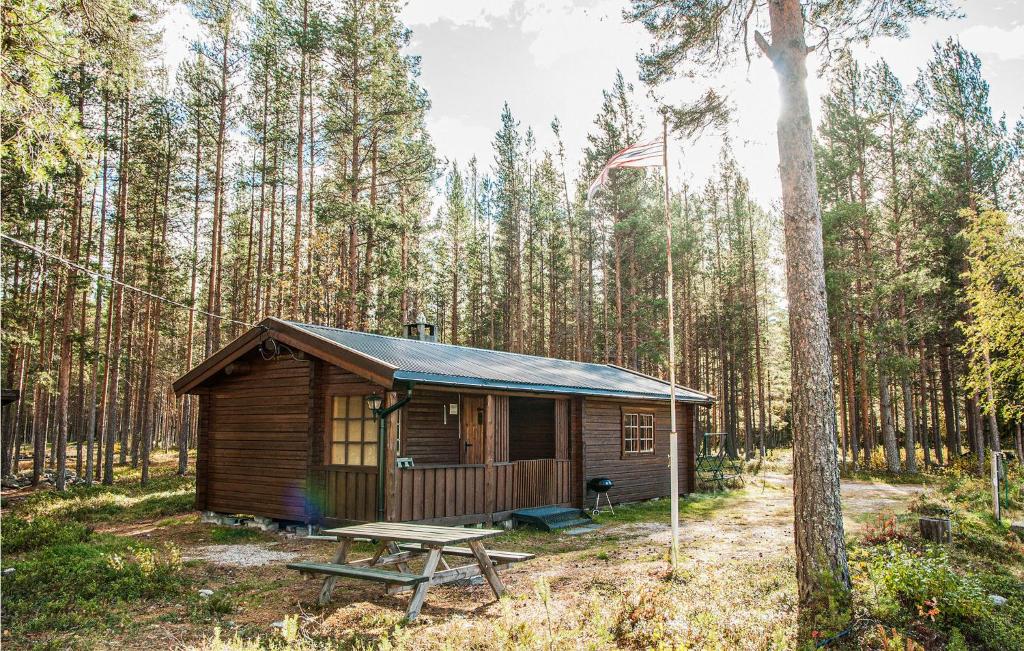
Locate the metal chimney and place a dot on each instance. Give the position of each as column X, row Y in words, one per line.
column 421, row 330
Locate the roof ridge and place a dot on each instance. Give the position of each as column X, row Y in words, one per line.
column 441, row 343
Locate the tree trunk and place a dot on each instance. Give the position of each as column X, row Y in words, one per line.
column 297, row 245
column 117, row 305
column 823, row 576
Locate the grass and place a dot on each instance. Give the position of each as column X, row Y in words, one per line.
column 76, row 588
column 70, row 584
column 233, row 535
column 124, row 501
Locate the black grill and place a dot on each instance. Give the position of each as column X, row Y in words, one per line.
column 600, row 484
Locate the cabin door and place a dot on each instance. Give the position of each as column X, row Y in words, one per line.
column 472, row 429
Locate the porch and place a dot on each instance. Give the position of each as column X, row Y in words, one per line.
column 458, row 458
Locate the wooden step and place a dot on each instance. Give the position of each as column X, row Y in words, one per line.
column 549, row 518
column 358, row 572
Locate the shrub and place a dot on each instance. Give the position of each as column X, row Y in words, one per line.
column 647, row 618
column 912, row 588
column 75, row 585
column 21, row 535
column 882, row 531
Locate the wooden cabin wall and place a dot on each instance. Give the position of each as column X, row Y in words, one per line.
column 639, row 477
column 531, row 428
column 425, row 435
column 254, row 440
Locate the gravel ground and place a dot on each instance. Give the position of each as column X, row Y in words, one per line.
column 240, row 555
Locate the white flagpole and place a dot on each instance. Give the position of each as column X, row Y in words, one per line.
column 673, row 435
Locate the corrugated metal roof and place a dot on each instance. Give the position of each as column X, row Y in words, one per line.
column 436, row 363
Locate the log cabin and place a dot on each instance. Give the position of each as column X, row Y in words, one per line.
column 318, row 425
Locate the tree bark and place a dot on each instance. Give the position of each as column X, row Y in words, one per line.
column 823, row 576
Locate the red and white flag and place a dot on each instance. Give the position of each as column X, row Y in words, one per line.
column 642, row 154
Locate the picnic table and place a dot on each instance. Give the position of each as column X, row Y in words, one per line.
column 397, row 544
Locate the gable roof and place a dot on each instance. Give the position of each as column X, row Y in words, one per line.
column 406, row 360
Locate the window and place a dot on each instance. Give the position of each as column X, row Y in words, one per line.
column 353, row 432
column 637, row 433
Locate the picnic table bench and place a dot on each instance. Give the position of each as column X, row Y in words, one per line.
column 400, row 542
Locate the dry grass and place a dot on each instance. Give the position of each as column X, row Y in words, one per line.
column 607, row 589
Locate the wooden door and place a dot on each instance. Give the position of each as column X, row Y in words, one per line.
column 471, row 428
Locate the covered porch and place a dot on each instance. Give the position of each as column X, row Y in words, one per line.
column 462, row 457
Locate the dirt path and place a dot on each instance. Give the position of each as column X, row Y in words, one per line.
column 760, row 520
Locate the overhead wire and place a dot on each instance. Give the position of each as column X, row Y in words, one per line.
column 103, row 276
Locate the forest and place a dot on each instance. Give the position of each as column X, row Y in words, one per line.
column 864, row 333
column 287, row 171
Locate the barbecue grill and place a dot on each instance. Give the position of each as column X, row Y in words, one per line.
column 601, row 486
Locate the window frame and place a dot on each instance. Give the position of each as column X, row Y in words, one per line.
column 329, row 441
column 639, row 412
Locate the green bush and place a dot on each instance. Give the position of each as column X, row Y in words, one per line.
column 77, row 585
column 21, row 535
column 909, row 588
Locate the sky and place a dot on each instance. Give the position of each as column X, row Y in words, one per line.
column 550, row 58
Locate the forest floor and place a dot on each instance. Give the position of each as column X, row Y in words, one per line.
column 604, row 589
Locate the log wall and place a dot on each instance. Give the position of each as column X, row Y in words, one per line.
column 425, row 435
column 254, row 440
column 638, row 477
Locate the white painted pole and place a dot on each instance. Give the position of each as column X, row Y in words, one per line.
column 995, row 486
column 673, row 449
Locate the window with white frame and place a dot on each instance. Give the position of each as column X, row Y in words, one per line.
column 637, row 433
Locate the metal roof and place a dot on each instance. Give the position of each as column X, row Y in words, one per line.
column 446, row 364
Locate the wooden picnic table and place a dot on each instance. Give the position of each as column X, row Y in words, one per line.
column 398, row 543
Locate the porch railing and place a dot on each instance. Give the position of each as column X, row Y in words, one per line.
column 449, row 491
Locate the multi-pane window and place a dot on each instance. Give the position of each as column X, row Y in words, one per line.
column 353, row 432
column 637, row 433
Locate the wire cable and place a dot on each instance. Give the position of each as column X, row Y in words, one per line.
column 110, row 279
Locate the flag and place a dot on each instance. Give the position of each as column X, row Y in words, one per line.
column 643, row 154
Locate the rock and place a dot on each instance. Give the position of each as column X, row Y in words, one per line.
column 209, row 517
column 1018, row 528
column 278, row 624
column 8, row 571
column 997, row 600
column 206, row 593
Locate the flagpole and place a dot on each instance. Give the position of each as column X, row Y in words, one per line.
column 673, row 435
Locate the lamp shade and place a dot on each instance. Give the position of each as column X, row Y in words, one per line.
column 374, row 401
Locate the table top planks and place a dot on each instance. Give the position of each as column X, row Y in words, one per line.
column 425, row 534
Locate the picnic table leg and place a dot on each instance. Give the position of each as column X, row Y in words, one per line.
column 394, row 549
column 487, row 567
column 340, row 556
column 421, row 590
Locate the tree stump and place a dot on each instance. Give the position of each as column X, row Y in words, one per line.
column 938, row 530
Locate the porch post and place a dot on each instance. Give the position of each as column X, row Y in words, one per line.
column 390, row 456
column 489, row 478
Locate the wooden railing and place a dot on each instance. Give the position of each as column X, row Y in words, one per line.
column 450, row 491
column 539, row 482
column 440, row 491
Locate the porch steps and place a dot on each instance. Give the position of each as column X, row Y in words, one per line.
column 549, row 518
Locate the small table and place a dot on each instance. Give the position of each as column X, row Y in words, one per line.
column 399, row 542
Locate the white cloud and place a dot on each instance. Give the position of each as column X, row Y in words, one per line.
column 457, row 12
column 1006, row 44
